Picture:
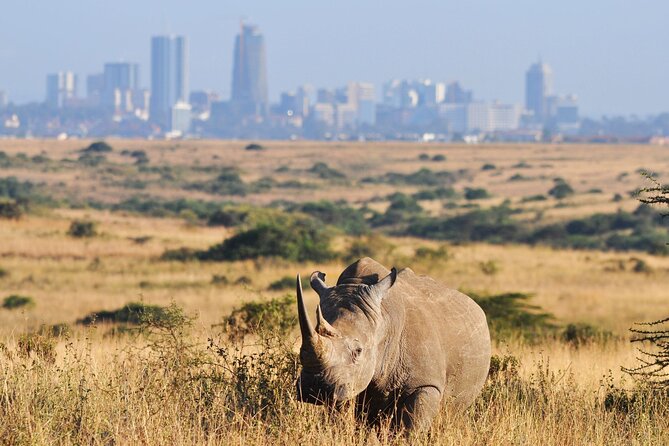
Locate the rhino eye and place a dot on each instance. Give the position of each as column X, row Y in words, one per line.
column 356, row 352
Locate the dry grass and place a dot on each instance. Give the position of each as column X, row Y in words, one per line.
column 123, row 389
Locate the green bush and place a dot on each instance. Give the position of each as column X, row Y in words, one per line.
column 228, row 182
column 16, row 301
column 82, row 229
column 277, row 316
column 10, row 210
column 493, row 225
column 510, row 315
column 254, row 147
column 422, row 177
column 98, row 147
column 476, row 193
column 325, row 172
column 290, row 238
column 439, row 158
column 91, row 159
column 426, row 253
column 488, row 166
column 438, row 193
column 583, row 334
column 287, row 283
column 132, row 313
column 338, row 214
column 180, row 255
column 561, row 190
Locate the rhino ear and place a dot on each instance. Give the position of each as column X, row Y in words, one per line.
column 318, row 283
column 380, row 289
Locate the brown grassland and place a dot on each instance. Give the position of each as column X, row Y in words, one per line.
column 182, row 381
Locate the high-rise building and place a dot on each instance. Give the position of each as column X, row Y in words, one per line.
column 120, row 80
column 94, row 85
column 362, row 96
column 169, row 76
column 455, row 94
column 249, row 74
column 3, row 100
column 60, row 88
column 538, row 87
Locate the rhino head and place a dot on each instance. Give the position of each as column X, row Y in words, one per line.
column 340, row 355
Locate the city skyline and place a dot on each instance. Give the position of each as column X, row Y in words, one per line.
column 431, row 41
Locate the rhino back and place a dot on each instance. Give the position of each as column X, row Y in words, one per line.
column 445, row 341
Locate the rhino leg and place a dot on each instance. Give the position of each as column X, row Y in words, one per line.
column 420, row 408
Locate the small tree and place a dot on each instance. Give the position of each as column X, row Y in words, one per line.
column 654, row 362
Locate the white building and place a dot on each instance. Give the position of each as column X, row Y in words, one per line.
column 481, row 117
column 182, row 115
column 60, row 88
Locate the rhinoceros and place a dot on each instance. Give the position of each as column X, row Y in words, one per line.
column 399, row 344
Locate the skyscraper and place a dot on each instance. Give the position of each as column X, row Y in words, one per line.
column 538, row 87
column 169, row 76
column 249, row 75
column 60, row 87
column 120, row 80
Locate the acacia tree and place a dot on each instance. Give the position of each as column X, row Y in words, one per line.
column 654, row 365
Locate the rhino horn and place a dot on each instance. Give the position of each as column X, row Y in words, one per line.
column 314, row 346
column 306, row 328
column 323, row 327
column 318, row 283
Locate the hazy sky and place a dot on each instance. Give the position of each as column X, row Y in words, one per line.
column 612, row 53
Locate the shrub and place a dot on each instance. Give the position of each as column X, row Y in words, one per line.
column 561, row 190
column 277, row 316
column 493, row 225
column 286, row 282
column 10, row 210
column 82, row 228
column 289, row 238
column 179, row 255
column 254, row 147
column 435, row 194
column 640, row 266
column 510, row 314
column 3, row 273
column 16, row 301
column 531, row 198
column 228, row 182
column 98, row 147
column 426, row 253
column 439, row 158
column 339, row 214
column 140, row 157
column 489, row 267
column 132, row 313
column 91, row 159
column 14, row 189
column 488, row 166
column 476, row 193
column 325, row 172
column 422, row 177
column 582, row 334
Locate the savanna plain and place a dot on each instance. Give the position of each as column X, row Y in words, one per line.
column 148, row 287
